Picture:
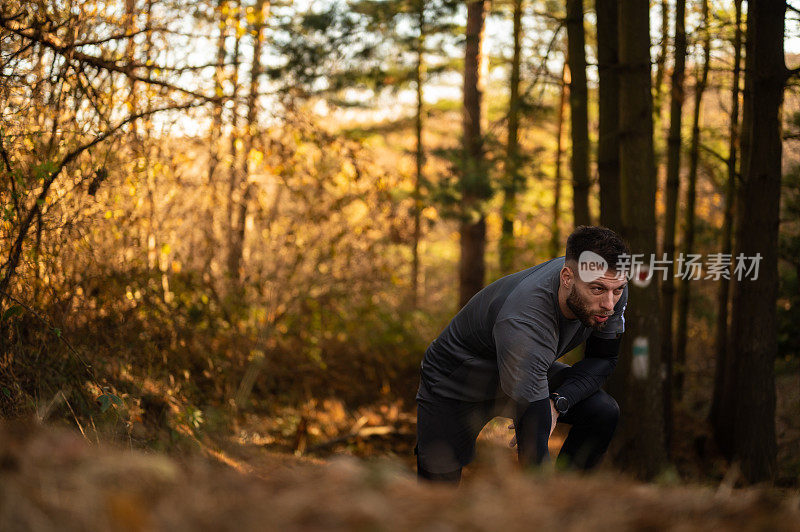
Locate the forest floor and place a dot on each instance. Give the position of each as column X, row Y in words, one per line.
column 321, row 465
column 54, row 479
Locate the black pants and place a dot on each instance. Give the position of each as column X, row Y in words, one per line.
column 447, row 430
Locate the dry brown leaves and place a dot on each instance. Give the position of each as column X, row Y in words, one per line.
column 53, row 480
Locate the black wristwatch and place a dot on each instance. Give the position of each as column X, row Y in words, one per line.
column 560, row 402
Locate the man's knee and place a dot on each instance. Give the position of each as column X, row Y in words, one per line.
column 606, row 409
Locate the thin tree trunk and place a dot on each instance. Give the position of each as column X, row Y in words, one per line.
column 233, row 177
column 474, row 183
column 419, row 74
column 640, row 444
column 753, row 316
column 260, row 14
column 513, row 179
column 684, row 292
column 671, row 207
column 555, row 234
column 579, row 112
column 608, row 102
column 723, row 370
column 661, row 61
column 215, row 134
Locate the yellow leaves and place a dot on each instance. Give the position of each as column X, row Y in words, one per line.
column 108, row 215
column 255, row 157
column 355, row 212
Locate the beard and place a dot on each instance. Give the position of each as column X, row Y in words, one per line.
column 580, row 308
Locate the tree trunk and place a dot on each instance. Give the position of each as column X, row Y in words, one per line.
column 684, row 292
column 419, row 73
column 513, row 179
column 233, row 176
column 474, row 184
column 723, row 370
column 579, row 112
column 640, row 444
column 661, row 62
column 753, row 318
column 671, row 207
column 260, row 14
column 555, row 235
column 608, row 102
column 215, row 134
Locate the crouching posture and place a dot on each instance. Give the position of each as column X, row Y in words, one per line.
column 498, row 356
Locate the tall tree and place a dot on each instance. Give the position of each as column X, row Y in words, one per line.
column 608, row 103
column 412, row 28
column 419, row 152
column 684, row 292
column 753, row 318
column 234, row 176
column 474, row 181
column 641, row 442
column 723, row 370
column 258, row 18
column 215, row 132
column 661, row 62
column 555, row 233
column 513, row 177
column 579, row 112
column 671, row 203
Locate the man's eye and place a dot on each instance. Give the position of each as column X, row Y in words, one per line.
column 596, row 290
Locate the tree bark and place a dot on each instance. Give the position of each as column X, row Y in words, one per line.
column 419, row 155
column 233, row 171
column 513, row 178
column 261, row 11
column 579, row 112
column 684, row 292
column 640, row 443
column 723, row 370
column 215, row 133
column 753, row 318
column 555, row 234
column 608, row 102
column 670, row 210
column 661, row 62
column 474, row 182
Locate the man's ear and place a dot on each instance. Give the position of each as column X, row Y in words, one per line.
column 567, row 276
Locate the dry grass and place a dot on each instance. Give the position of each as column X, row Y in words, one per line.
column 53, row 480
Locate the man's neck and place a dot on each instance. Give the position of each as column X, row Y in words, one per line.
column 562, row 302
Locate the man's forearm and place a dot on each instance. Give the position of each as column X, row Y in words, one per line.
column 587, row 376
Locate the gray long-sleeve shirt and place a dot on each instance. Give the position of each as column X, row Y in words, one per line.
column 506, row 338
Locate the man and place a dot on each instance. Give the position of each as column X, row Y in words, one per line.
column 498, row 357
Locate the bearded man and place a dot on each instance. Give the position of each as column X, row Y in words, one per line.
column 498, row 356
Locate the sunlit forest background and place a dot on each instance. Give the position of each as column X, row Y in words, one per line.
column 242, row 221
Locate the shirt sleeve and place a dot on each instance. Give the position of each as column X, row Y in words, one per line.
column 615, row 325
column 525, row 351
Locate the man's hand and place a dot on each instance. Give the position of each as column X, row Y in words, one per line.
column 553, row 416
column 553, row 421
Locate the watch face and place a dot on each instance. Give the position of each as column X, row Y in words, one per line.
column 562, row 404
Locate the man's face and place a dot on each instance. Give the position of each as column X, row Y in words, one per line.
column 593, row 302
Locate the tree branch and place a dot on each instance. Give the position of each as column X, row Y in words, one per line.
column 53, row 42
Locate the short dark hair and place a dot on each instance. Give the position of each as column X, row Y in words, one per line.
column 600, row 240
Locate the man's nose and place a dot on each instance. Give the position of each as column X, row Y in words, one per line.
column 607, row 302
